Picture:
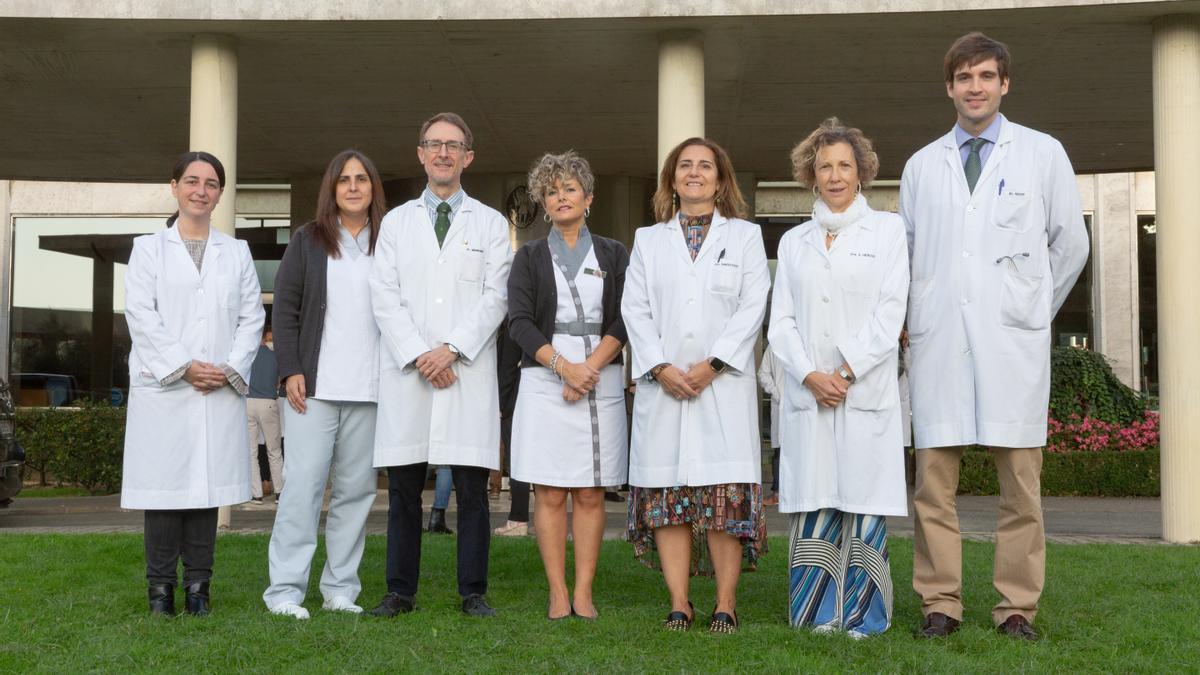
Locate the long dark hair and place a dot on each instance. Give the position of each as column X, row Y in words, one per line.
column 184, row 161
column 325, row 226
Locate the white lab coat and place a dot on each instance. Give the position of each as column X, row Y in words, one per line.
column 989, row 271
column 183, row 449
column 841, row 304
column 771, row 377
column 424, row 297
column 682, row 312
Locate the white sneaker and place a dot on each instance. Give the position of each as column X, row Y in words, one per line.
column 339, row 603
column 512, row 528
column 825, row 629
column 290, row 609
column 857, row 635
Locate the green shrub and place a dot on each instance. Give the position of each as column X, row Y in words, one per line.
column 1089, row 474
column 82, row 445
column 1082, row 383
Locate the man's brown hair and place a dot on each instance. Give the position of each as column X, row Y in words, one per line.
column 975, row 48
column 450, row 118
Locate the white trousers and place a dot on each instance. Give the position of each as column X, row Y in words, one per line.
column 262, row 414
column 329, row 435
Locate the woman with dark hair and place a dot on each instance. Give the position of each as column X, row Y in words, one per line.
column 569, row 438
column 695, row 295
column 327, row 347
column 194, row 309
column 841, row 288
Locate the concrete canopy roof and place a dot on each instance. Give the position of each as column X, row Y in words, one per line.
column 102, row 95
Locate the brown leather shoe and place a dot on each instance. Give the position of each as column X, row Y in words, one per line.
column 1017, row 626
column 937, row 625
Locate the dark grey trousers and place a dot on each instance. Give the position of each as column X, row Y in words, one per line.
column 172, row 534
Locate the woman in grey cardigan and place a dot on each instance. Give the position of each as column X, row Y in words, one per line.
column 327, row 346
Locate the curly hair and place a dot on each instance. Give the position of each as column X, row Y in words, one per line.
column 831, row 132
column 550, row 168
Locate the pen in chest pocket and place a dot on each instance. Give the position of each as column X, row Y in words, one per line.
column 721, row 255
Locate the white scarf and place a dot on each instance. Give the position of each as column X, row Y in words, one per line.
column 832, row 222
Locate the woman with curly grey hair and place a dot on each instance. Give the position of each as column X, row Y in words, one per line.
column 841, row 287
column 569, row 427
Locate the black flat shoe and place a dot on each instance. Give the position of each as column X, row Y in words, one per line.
column 437, row 522
column 723, row 622
column 162, row 599
column 196, row 602
column 680, row 621
column 391, row 605
column 475, row 605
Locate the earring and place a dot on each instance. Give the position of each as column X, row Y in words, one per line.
column 587, row 213
column 675, row 200
column 717, row 200
column 816, row 192
column 546, row 217
column 858, row 189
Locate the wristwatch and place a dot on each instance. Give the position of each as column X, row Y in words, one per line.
column 717, row 365
column 657, row 369
column 846, row 375
column 454, row 350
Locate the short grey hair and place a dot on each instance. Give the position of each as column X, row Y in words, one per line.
column 550, row 168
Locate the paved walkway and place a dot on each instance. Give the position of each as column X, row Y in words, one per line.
column 1068, row 519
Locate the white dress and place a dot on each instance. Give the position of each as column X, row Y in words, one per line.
column 563, row 444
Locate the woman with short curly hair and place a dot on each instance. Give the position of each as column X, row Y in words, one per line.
column 569, row 426
column 841, row 287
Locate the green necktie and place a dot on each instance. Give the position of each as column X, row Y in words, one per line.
column 974, row 165
column 442, row 225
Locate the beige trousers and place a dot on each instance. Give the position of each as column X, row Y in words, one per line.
column 1019, row 572
column 263, row 414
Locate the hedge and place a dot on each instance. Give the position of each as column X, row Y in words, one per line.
column 82, row 445
column 1072, row 474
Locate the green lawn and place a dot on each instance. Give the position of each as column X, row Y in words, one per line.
column 71, row 603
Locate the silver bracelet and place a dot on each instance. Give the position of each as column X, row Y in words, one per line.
column 554, row 363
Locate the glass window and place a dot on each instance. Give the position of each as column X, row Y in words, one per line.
column 1072, row 325
column 1148, row 302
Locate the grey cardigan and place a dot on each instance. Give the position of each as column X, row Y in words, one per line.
column 298, row 314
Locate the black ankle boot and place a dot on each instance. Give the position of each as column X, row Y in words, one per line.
column 437, row 522
column 162, row 599
column 197, row 599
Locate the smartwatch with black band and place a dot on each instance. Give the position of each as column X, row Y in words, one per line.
column 717, row 365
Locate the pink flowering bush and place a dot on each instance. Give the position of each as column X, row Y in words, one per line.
column 1089, row 434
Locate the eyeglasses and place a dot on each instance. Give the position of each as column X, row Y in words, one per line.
column 453, row 147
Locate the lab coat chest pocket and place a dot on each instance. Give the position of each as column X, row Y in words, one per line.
column 470, row 266
column 725, row 278
column 1012, row 210
column 227, row 293
column 1023, row 304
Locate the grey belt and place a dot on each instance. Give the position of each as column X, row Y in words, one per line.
column 578, row 328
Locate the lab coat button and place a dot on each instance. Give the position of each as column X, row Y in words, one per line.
column 441, row 261
column 825, row 298
column 966, row 254
column 971, row 208
column 965, row 302
column 438, row 301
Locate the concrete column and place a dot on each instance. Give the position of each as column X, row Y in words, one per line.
column 214, row 113
column 1114, row 273
column 1176, row 68
column 102, row 328
column 214, row 128
column 6, row 261
column 680, row 90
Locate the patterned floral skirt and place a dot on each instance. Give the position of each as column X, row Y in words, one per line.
column 734, row 508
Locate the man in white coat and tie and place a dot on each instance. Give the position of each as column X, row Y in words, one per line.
column 438, row 290
column 997, row 239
